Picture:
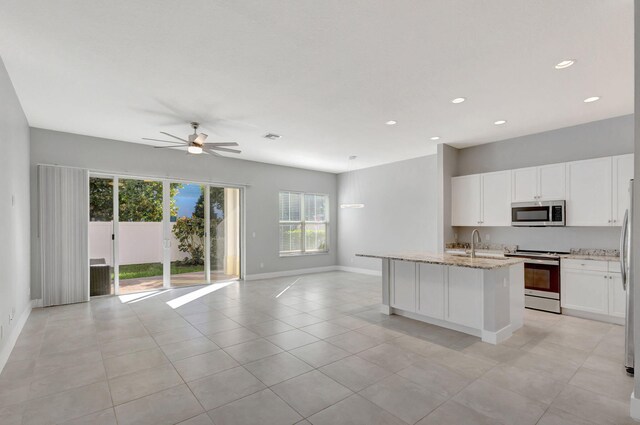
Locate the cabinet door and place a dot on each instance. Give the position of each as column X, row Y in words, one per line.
column 464, row 297
column 524, row 184
column 589, row 192
column 551, row 182
column 404, row 286
column 496, row 199
column 622, row 173
column 585, row 291
column 431, row 290
column 465, row 200
column 617, row 296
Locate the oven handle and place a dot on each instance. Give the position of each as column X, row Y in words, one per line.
column 545, row 262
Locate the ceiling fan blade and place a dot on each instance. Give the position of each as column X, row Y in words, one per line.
column 210, row 152
column 220, row 144
column 175, row 137
column 169, row 147
column 224, row 149
column 163, row 141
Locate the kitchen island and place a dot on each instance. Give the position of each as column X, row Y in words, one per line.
column 482, row 296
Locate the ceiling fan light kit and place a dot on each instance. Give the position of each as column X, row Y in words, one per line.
column 196, row 143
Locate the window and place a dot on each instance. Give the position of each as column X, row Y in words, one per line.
column 304, row 221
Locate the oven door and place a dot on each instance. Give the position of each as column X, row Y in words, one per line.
column 542, row 278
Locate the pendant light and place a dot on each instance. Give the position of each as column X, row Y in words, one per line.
column 352, row 192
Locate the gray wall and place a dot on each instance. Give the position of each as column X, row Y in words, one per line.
column 614, row 136
column 50, row 147
column 400, row 212
column 14, row 208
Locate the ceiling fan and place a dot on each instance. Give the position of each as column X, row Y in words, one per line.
column 196, row 143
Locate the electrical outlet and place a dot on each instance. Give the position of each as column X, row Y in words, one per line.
column 261, row 265
column 488, row 237
column 352, row 259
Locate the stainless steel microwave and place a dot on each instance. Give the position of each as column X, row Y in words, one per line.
column 538, row 213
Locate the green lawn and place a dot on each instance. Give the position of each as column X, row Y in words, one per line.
column 133, row 271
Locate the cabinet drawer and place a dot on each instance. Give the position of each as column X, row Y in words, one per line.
column 593, row 265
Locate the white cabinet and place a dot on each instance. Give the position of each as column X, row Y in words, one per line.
column 525, row 184
column 481, row 199
column 496, row 199
column 589, row 192
column 465, row 200
column 431, row 284
column 542, row 183
column 585, row 290
column 464, row 297
column 551, row 182
column 403, row 295
column 622, row 173
column 594, row 287
column 617, row 296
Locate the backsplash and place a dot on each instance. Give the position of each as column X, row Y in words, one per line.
column 595, row 252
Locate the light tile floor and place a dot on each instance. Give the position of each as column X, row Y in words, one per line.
column 318, row 353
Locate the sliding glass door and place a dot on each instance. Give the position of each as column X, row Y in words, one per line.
column 140, row 235
column 187, row 234
column 101, row 236
column 151, row 234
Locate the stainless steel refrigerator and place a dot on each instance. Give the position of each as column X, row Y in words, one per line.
column 626, row 268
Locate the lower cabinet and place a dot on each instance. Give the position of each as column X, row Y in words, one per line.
column 431, row 279
column 585, row 290
column 617, row 296
column 464, row 297
column 403, row 295
column 593, row 287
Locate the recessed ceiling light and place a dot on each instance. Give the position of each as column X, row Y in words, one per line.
column 591, row 99
column 458, row 100
column 435, row 138
column 565, row 64
column 500, row 122
column 391, row 122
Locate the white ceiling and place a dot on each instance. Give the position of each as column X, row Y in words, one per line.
column 326, row 75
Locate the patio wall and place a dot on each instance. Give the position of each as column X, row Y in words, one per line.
column 140, row 242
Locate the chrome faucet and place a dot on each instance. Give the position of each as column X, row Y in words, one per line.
column 473, row 242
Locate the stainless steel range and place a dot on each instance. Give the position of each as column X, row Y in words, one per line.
column 541, row 279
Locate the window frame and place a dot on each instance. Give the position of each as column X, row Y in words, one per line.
column 303, row 249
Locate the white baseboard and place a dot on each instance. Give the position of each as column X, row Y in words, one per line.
column 5, row 352
column 285, row 273
column 593, row 316
column 497, row 337
column 634, row 407
column 311, row 270
column 359, row 270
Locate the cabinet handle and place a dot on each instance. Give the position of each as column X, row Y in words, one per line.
column 609, row 221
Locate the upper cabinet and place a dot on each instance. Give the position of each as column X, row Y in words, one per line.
column 596, row 191
column 465, row 200
column 589, row 192
column 481, row 199
column 545, row 183
column 622, row 174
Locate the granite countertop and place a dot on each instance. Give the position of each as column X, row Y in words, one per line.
column 591, row 257
column 449, row 260
column 593, row 254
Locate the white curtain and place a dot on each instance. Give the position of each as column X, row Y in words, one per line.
column 64, row 240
